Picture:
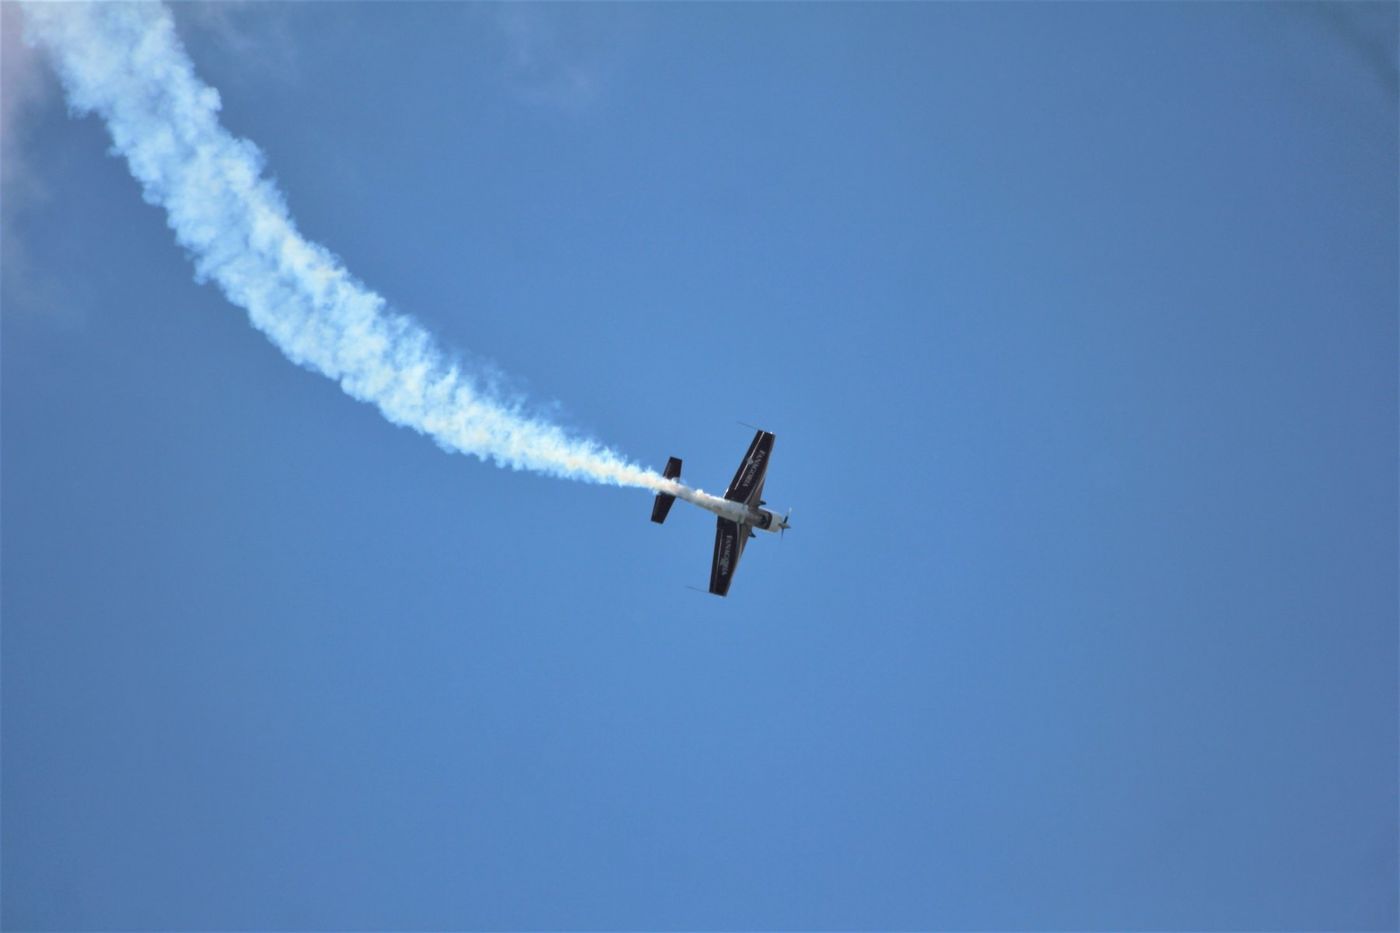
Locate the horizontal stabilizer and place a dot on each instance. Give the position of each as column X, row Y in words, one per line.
column 662, row 506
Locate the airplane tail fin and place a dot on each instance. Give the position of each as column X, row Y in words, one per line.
column 662, row 506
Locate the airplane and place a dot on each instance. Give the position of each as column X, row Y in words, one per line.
column 740, row 510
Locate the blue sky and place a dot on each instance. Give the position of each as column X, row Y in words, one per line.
column 1077, row 327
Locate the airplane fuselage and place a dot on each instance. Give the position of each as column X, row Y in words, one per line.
column 754, row 517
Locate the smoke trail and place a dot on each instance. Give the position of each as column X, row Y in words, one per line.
column 125, row 63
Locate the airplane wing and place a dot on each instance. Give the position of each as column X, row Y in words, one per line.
column 748, row 481
column 730, row 538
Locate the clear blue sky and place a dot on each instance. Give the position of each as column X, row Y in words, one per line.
column 1076, row 324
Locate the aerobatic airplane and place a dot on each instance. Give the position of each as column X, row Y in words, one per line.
column 740, row 511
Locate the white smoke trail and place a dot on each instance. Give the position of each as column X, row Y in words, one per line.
column 125, row 63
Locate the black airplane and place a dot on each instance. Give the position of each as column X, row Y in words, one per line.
column 740, row 511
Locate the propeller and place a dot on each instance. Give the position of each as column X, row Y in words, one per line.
column 782, row 529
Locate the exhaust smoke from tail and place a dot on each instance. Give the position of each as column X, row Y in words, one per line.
column 125, row 63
